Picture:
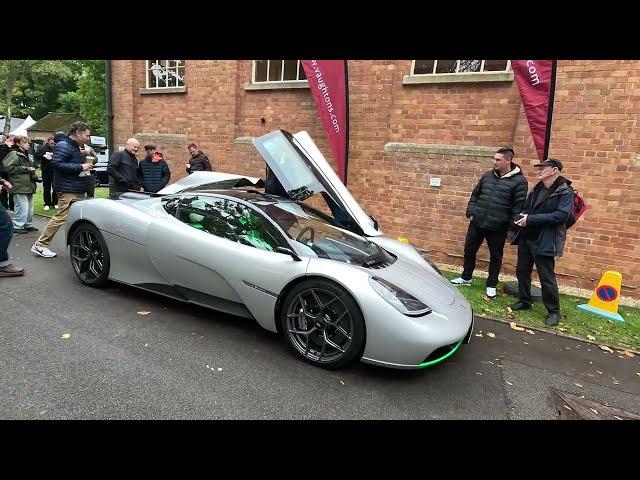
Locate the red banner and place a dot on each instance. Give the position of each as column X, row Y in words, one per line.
column 536, row 81
column 329, row 86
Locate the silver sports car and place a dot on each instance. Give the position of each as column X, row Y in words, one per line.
column 307, row 263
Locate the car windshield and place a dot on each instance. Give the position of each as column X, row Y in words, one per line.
column 315, row 235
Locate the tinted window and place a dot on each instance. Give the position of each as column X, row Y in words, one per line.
column 229, row 219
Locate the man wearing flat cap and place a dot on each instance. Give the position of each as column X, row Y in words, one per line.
column 542, row 237
column 494, row 204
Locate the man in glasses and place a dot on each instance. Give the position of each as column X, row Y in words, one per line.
column 494, row 204
column 542, row 237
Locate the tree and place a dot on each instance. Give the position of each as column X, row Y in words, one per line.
column 31, row 86
column 90, row 97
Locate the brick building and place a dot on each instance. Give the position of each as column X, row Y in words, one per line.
column 411, row 121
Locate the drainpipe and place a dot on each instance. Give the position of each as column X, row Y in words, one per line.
column 109, row 108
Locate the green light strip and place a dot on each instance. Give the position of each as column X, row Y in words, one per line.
column 438, row 360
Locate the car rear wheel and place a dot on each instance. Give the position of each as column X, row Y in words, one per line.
column 89, row 255
column 322, row 323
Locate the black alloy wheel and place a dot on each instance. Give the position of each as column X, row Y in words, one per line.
column 89, row 256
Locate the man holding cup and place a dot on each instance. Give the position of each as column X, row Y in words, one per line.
column 45, row 156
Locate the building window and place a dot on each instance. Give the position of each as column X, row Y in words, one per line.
column 434, row 67
column 277, row 71
column 165, row 74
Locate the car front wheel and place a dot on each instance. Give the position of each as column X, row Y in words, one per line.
column 89, row 255
column 322, row 323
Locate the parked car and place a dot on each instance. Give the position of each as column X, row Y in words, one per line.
column 332, row 285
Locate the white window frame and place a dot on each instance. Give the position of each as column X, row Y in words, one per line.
column 505, row 75
column 176, row 74
column 281, row 80
column 435, row 65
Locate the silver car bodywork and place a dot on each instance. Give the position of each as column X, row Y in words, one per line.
column 151, row 249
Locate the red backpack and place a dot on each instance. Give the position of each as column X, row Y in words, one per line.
column 579, row 207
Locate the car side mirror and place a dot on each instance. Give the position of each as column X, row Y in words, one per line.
column 288, row 251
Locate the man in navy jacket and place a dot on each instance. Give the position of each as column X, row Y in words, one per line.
column 69, row 180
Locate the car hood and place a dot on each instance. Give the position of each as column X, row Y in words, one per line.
column 211, row 180
column 419, row 281
column 303, row 171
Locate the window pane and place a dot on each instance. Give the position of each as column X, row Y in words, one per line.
column 301, row 74
column 290, row 70
column 495, row 65
column 275, row 70
column 181, row 76
column 446, row 66
column 423, row 66
column 261, row 71
column 469, row 66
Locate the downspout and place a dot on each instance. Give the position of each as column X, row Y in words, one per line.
column 109, row 108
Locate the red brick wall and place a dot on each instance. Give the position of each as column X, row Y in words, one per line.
column 595, row 134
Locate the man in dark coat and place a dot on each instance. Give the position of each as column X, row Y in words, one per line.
column 123, row 170
column 198, row 161
column 494, row 204
column 45, row 157
column 69, row 181
column 153, row 170
column 542, row 237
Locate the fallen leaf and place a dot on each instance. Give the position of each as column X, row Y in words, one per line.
column 598, row 371
column 485, row 298
column 594, row 411
column 478, row 335
column 492, row 335
column 567, row 407
column 591, row 337
column 219, row 369
column 567, row 348
column 638, row 373
column 478, row 373
column 525, row 343
column 627, row 353
column 341, row 382
column 516, row 327
column 65, row 336
column 207, row 366
column 509, row 383
column 578, row 385
column 605, row 348
column 146, row 344
column 530, row 332
column 617, row 417
column 509, row 310
column 144, row 312
column 491, row 362
column 562, row 329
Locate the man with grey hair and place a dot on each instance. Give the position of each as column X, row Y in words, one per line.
column 123, row 170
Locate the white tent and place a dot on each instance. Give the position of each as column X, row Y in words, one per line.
column 22, row 129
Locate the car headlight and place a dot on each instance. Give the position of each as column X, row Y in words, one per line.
column 401, row 300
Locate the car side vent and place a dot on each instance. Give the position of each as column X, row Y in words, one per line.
column 378, row 266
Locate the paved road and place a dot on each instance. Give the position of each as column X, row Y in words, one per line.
column 120, row 365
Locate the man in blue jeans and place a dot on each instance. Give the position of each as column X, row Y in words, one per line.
column 6, row 232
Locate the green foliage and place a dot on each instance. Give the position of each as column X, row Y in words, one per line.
column 37, row 87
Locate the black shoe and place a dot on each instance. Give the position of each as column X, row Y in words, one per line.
column 521, row 306
column 31, row 229
column 552, row 319
column 20, row 230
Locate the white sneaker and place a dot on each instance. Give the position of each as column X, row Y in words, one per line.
column 491, row 292
column 461, row 281
column 43, row 251
column 46, row 207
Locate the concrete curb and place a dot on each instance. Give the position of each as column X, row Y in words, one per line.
column 560, row 334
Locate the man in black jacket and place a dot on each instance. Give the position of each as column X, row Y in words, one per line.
column 542, row 237
column 123, row 169
column 494, row 204
column 198, row 161
column 69, row 181
column 45, row 156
